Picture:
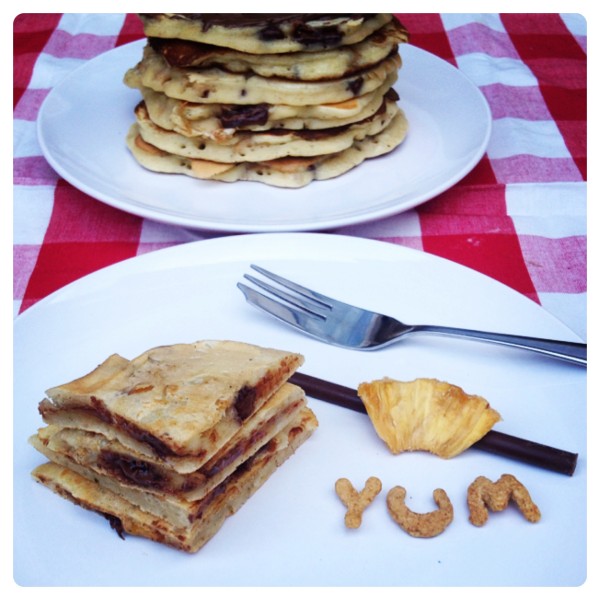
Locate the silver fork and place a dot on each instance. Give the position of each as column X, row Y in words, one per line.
column 345, row 325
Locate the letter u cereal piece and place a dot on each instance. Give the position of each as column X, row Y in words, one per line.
column 422, row 525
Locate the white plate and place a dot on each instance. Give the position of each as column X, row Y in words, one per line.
column 83, row 122
column 292, row 531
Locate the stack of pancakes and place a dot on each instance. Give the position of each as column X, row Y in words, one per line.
column 170, row 444
column 279, row 98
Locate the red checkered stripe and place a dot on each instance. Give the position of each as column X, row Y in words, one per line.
column 61, row 234
column 520, row 215
column 531, row 69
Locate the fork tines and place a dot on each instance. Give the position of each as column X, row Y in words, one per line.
column 302, row 298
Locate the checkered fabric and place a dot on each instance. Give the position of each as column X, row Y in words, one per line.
column 518, row 217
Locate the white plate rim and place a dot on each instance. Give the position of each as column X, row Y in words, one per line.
column 209, row 249
column 228, row 244
column 388, row 205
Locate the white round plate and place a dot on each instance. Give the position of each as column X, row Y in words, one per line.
column 291, row 532
column 84, row 120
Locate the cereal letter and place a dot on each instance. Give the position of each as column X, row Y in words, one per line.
column 483, row 494
column 423, row 525
column 356, row 502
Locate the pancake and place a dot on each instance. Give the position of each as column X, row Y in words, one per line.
column 107, row 457
column 283, row 99
column 204, row 518
column 214, row 85
column 84, row 420
column 182, row 399
column 117, row 437
column 220, row 122
column 264, row 145
column 259, row 33
column 302, row 66
column 291, row 172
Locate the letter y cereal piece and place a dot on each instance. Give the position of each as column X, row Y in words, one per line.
column 356, row 502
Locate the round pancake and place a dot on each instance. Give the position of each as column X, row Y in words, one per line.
column 259, row 33
column 221, row 121
column 218, row 86
column 264, row 145
column 285, row 172
column 302, row 66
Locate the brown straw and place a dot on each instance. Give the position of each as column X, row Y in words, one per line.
column 495, row 442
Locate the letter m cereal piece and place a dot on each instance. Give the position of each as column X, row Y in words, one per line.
column 484, row 494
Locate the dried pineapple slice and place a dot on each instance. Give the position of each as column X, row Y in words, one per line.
column 426, row 414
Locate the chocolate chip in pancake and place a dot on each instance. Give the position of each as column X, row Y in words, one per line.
column 265, row 33
column 171, row 443
column 282, row 99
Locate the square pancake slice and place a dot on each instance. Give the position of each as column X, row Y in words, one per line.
column 109, row 458
column 206, row 516
column 181, row 399
column 171, row 443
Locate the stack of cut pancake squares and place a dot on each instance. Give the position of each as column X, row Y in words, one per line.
column 170, row 444
column 283, row 99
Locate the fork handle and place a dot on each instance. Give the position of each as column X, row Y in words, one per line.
column 570, row 351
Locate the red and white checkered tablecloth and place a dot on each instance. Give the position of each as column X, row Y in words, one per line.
column 519, row 216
